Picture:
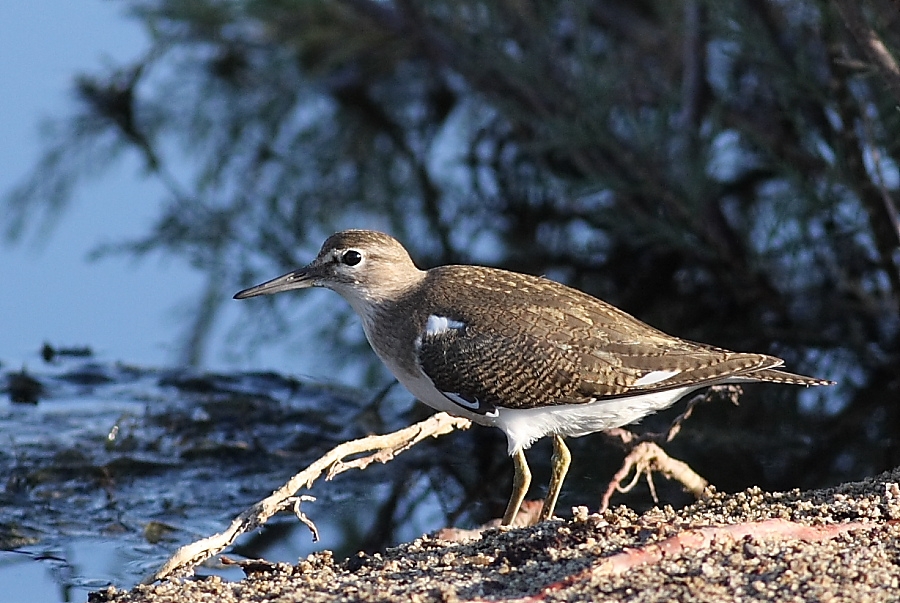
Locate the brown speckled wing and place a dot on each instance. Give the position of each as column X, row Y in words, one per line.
column 490, row 370
column 529, row 342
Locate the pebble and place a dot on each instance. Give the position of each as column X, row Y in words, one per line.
column 558, row 560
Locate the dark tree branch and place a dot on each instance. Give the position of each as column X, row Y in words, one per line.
column 871, row 43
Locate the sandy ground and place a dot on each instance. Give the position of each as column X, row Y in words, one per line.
column 837, row 544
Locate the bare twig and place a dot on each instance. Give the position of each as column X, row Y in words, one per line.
column 731, row 392
column 383, row 448
column 302, row 516
column 645, row 456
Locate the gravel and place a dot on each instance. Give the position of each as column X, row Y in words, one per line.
column 850, row 553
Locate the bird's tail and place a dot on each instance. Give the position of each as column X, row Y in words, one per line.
column 772, row 375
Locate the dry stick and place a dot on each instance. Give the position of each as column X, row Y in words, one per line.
column 383, row 449
column 645, row 456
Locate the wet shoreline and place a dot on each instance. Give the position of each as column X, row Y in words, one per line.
column 569, row 560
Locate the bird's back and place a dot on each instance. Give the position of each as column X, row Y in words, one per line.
column 523, row 342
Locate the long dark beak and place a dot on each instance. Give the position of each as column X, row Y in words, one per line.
column 298, row 279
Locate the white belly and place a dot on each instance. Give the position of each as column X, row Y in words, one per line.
column 523, row 427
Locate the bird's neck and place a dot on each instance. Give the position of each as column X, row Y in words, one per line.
column 391, row 327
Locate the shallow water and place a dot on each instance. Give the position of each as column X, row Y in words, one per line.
column 107, row 469
column 113, row 467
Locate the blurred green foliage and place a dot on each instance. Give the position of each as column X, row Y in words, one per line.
column 725, row 170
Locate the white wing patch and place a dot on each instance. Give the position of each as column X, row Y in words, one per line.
column 437, row 325
column 441, row 324
column 655, row 377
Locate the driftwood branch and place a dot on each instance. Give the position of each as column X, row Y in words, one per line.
column 645, row 459
column 382, row 448
column 646, row 456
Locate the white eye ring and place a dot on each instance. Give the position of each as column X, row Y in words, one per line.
column 351, row 257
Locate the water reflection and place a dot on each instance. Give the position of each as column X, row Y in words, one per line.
column 117, row 466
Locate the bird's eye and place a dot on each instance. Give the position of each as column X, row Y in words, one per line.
column 351, row 257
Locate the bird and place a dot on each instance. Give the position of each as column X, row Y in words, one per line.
column 522, row 353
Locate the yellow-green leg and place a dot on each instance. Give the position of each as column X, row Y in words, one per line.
column 559, row 467
column 521, row 481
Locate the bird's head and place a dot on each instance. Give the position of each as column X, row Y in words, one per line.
column 364, row 266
